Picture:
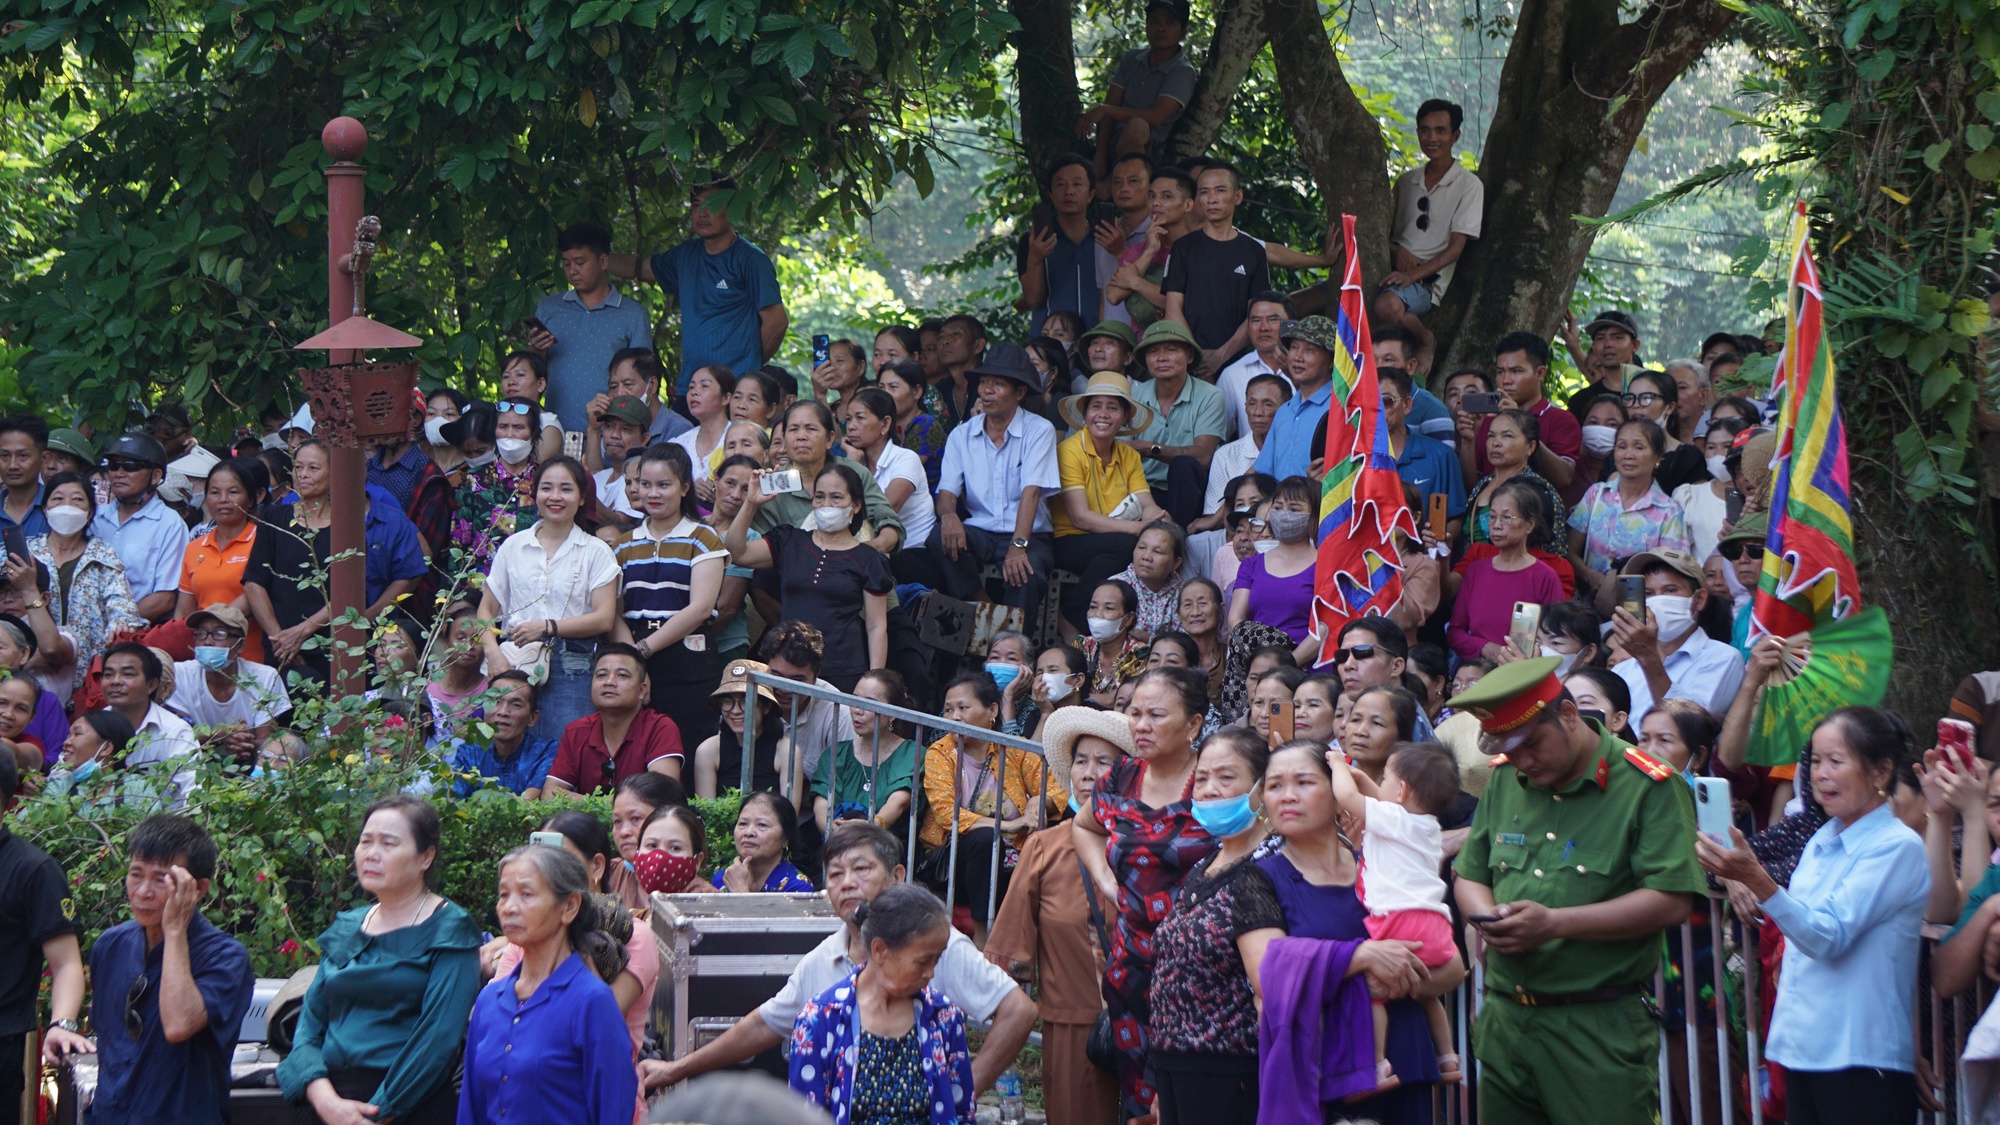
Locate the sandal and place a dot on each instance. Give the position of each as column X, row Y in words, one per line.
column 1385, row 1080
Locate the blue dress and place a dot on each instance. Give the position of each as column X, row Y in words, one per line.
column 782, row 878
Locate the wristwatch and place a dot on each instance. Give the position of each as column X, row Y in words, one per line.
column 70, row 1026
column 1155, row 451
column 36, row 604
column 1020, row 542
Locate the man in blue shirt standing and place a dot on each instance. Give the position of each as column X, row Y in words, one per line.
column 169, row 990
column 1309, row 347
column 582, row 329
column 23, row 440
column 731, row 310
column 150, row 539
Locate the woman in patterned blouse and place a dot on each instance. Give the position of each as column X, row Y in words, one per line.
column 1155, row 576
column 89, row 597
column 497, row 497
column 882, row 1047
column 1115, row 651
column 916, row 429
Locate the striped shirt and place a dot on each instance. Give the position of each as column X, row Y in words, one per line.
column 659, row 571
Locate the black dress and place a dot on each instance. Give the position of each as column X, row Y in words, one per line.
column 825, row 589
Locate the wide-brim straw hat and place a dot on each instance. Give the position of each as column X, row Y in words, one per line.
column 1067, row 724
column 1107, row 384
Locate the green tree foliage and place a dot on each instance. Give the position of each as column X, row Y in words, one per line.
column 194, row 255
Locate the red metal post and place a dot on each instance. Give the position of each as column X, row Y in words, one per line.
column 345, row 139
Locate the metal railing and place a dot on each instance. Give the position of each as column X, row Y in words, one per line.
column 794, row 779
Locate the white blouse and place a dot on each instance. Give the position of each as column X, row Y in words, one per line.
column 529, row 585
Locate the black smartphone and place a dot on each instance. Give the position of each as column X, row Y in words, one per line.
column 1042, row 217
column 1103, row 211
column 1732, row 501
column 1482, row 919
column 1480, row 402
column 15, row 540
column 534, row 324
column 822, row 349
column 1632, row 595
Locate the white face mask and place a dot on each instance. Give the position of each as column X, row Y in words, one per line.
column 831, row 520
column 1599, row 440
column 1717, row 469
column 484, row 459
column 1262, row 546
column 434, row 431
column 67, row 519
column 1056, row 685
column 1568, row 660
column 1674, row 615
column 1103, row 629
column 512, row 449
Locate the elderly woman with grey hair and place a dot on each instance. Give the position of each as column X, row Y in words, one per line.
column 882, row 1045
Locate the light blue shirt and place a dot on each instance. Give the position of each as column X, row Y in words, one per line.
column 1702, row 669
column 150, row 544
column 586, row 339
column 1853, row 922
column 1288, row 446
column 990, row 479
column 1430, row 417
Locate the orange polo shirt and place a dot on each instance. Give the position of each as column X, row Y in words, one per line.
column 213, row 572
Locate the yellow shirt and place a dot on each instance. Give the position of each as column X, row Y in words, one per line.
column 1104, row 485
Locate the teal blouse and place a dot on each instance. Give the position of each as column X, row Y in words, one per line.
column 396, row 1002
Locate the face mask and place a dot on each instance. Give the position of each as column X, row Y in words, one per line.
column 1003, row 674
column 1674, row 614
column 1291, row 527
column 512, row 449
column 1717, row 469
column 212, row 658
column 434, row 431
column 1073, row 806
column 486, row 458
column 831, row 520
column 662, row 872
column 85, row 771
column 1103, row 629
column 1568, row 660
column 1263, row 546
column 1592, row 714
column 67, row 519
column 1056, row 684
column 1226, row 817
column 1598, row 440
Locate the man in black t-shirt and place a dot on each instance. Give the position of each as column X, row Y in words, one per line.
column 36, row 925
column 1213, row 270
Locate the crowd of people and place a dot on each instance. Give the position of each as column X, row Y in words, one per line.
column 1249, row 858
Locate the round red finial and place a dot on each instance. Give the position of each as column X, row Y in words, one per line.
column 344, row 138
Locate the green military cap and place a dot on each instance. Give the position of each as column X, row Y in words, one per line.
column 73, row 443
column 1168, row 332
column 1512, row 695
column 1751, row 528
column 1114, row 330
column 1318, row 330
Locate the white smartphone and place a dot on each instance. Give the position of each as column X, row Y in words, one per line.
column 778, row 483
column 545, row 839
column 1712, row 811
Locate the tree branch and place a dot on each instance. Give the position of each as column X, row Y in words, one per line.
column 1239, row 35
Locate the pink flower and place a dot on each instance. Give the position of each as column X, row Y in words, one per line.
column 290, row 947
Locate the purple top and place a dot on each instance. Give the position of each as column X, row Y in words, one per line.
column 49, row 726
column 1283, row 601
column 1336, row 914
column 1485, row 607
column 1316, row 1038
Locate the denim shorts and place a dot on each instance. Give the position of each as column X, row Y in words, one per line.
column 1416, row 296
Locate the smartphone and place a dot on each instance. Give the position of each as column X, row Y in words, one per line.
column 1525, row 630
column 1732, row 503
column 1954, row 737
column 1711, row 810
column 545, row 839
column 1482, row 919
column 1283, row 729
column 1042, row 217
column 822, row 349
column 16, row 541
column 1437, row 516
column 1103, row 211
column 1480, row 402
column 779, row 482
column 534, row 324
column 102, row 488
column 1632, row 595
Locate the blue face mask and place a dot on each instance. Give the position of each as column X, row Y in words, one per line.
column 85, row 771
column 1073, row 806
column 212, row 658
column 1226, row 817
column 1003, row 674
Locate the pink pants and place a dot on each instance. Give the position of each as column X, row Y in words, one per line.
column 1427, row 926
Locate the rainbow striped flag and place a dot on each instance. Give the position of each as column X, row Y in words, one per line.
column 1809, row 577
column 1361, row 498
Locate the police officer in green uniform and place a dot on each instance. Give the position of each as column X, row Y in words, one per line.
column 1580, row 855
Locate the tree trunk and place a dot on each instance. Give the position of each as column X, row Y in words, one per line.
column 1239, row 35
column 1045, row 76
column 1339, row 140
column 1574, row 96
column 1916, row 565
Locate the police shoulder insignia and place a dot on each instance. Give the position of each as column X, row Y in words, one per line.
column 1650, row 766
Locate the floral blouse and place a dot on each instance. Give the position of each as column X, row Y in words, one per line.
column 99, row 602
column 1613, row 532
column 924, row 436
column 1158, row 611
column 1107, row 674
column 493, row 503
column 826, row 1054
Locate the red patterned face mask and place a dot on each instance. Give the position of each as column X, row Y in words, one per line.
column 662, row 872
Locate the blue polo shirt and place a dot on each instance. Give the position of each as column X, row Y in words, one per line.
column 1288, row 446
column 586, row 339
column 1430, row 417
column 151, row 543
column 721, row 295
column 526, row 768
column 149, row 1081
column 394, row 551
column 37, row 521
column 1429, row 467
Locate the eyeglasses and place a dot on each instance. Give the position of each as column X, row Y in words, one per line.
column 135, row 1024
column 1643, row 398
column 1358, row 652
column 1423, row 212
column 1258, row 523
column 1736, row 549
column 520, row 408
column 217, row 635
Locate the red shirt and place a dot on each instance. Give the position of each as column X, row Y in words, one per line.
column 582, row 754
column 1561, row 432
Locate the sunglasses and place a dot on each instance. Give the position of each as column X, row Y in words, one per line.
column 1738, row 548
column 135, row 1024
column 520, row 408
column 127, row 466
column 1423, row 212
column 1358, row 652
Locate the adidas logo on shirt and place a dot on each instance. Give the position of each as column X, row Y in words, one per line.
column 722, row 284
column 1241, row 272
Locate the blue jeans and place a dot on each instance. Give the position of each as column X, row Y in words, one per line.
column 565, row 695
